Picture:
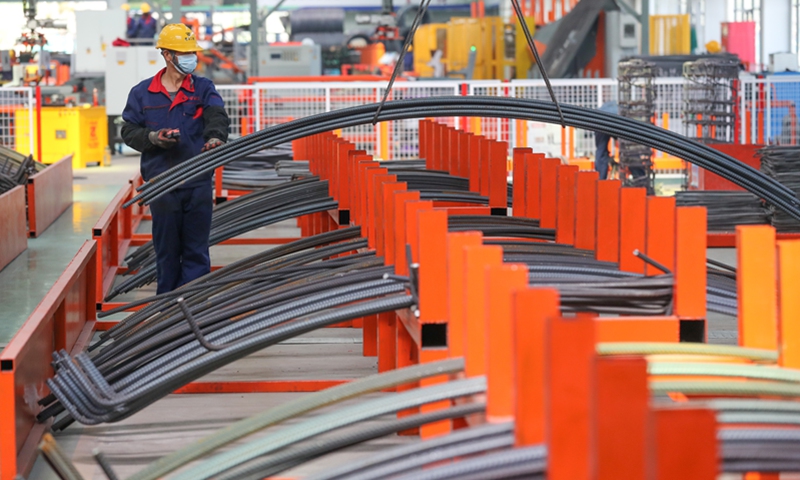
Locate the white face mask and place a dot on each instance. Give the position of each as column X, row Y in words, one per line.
column 185, row 63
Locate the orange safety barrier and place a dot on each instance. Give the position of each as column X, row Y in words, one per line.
column 63, row 320
column 49, row 195
column 14, row 234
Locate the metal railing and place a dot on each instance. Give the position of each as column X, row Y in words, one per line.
column 16, row 117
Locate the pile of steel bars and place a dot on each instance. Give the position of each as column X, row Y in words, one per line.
column 258, row 170
column 645, row 134
column 236, row 217
column 783, row 164
column 726, row 209
column 15, row 169
column 500, row 226
column 273, row 296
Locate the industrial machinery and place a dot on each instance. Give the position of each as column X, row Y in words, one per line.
column 637, row 99
column 286, row 60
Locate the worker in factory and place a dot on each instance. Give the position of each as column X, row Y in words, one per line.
column 146, row 25
column 602, row 158
column 131, row 22
column 171, row 118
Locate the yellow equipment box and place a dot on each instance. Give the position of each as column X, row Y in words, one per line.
column 82, row 131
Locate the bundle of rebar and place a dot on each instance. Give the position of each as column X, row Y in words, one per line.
column 258, row 170
column 533, row 110
column 236, row 217
column 180, row 336
column 15, row 169
column 783, row 164
column 726, row 208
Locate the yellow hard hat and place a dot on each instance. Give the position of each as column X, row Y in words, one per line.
column 126, row 7
column 145, row 8
column 713, row 47
column 177, row 37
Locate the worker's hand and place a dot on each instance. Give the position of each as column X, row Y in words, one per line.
column 165, row 138
column 212, row 143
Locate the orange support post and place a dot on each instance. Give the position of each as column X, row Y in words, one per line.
column 685, row 442
column 661, row 233
column 476, row 260
column 690, row 263
column 464, row 139
column 520, row 177
column 608, row 220
column 570, row 378
column 621, row 418
column 633, row 329
column 412, row 226
column 445, row 148
column 498, row 176
column 533, row 172
column 218, row 172
column 455, row 152
column 378, row 215
column 789, row 302
column 441, row 427
column 565, row 215
column 440, row 158
column 484, row 172
column 456, row 242
column 532, row 309
column 342, row 189
column 549, row 192
column 369, row 201
column 474, row 166
column 501, row 282
column 423, row 141
column 389, row 237
column 432, row 266
column 401, row 199
column 632, row 218
column 757, row 288
column 586, row 211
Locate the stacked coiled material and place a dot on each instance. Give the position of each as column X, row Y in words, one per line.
column 782, row 163
column 236, row 217
column 674, row 144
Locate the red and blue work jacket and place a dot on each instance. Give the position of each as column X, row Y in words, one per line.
column 197, row 111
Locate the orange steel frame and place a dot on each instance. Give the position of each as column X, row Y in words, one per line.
column 14, row 234
column 542, row 370
column 49, row 195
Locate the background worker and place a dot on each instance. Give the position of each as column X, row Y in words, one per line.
column 602, row 158
column 130, row 26
column 146, row 25
column 171, row 118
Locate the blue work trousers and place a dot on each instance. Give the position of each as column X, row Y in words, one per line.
column 602, row 158
column 181, row 227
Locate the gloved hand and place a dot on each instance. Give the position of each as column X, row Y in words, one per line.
column 212, row 143
column 165, row 138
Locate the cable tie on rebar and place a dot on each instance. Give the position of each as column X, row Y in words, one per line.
column 423, row 7
column 532, row 46
column 650, row 261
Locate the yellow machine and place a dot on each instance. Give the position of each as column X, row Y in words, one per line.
column 670, row 35
column 486, row 38
column 82, row 131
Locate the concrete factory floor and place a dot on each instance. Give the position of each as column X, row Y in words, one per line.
column 179, row 420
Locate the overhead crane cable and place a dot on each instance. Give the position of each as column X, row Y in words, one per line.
column 534, row 110
column 535, row 51
column 423, row 7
